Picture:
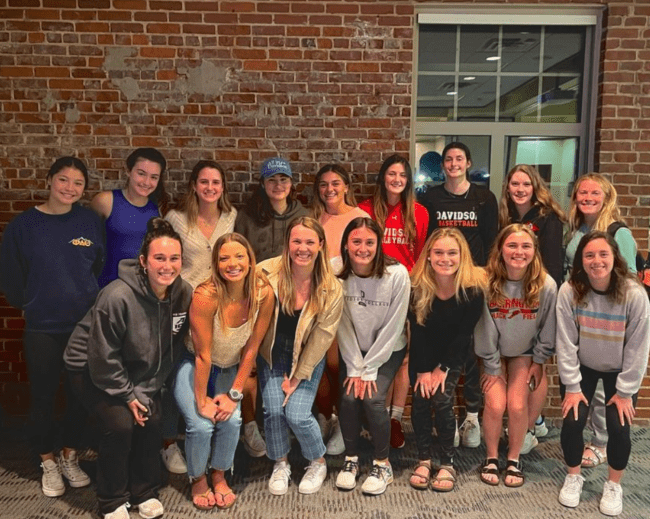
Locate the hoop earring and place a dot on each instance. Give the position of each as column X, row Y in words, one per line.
column 144, row 269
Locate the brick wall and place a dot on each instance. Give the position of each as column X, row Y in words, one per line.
column 240, row 81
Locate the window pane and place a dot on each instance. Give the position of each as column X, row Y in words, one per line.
column 428, row 160
column 519, row 99
column 437, row 48
column 556, row 159
column 520, row 49
column 564, row 49
column 435, row 96
column 476, row 101
column 479, row 43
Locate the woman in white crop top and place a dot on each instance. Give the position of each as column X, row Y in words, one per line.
column 229, row 316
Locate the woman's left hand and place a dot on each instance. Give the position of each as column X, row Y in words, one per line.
column 535, row 373
column 289, row 385
column 625, row 408
column 225, row 407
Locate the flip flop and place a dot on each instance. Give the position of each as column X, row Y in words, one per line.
column 223, row 499
column 205, row 495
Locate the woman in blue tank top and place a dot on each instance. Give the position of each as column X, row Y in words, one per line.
column 126, row 211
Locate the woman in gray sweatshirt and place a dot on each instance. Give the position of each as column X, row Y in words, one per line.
column 518, row 324
column 372, row 346
column 602, row 334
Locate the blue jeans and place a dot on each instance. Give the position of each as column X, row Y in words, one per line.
column 296, row 414
column 201, row 435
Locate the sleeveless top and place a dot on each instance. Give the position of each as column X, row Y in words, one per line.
column 226, row 344
column 125, row 230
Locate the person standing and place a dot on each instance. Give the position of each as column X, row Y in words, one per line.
column 50, row 258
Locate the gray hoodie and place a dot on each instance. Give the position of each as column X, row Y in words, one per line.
column 130, row 340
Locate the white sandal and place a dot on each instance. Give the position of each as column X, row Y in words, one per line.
column 599, row 456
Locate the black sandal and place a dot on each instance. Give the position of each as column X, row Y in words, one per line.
column 485, row 470
column 513, row 469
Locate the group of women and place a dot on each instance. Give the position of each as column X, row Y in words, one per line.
column 333, row 313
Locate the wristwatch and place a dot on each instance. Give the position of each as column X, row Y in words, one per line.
column 234, row 395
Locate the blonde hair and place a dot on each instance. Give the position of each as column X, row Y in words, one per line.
column 216, row 285
column 190, row 202
column 380, row 198
column 608, row 213
column 497, row 274
column 542, row 197
column 317, row 205
column 423, row 279
column 321, row 275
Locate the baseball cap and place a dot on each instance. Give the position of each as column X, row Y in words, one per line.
column 275, row 166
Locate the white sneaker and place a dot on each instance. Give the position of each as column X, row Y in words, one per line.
column 612, row 501
column 541, row 429
column 470, row 433
column 173, row 459
column 347, row 478
column 335, row 445
column 71, row 470
column 253, row 441
column 530, row 442
column 52, row 482
column 279, row 482
column 151, row 509
column 571, row 490
column 325, row 426
column 313, row 478
column 379, row 478
column 121, row 512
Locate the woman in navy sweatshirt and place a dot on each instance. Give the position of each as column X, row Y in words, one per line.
column 50, row 259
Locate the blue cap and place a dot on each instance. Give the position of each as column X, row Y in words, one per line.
column 275, row 166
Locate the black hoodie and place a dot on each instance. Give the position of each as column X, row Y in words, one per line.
column 130, row 340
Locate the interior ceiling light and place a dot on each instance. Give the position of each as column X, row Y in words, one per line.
column 493, row 58
column 469, row 78
column 451, row 93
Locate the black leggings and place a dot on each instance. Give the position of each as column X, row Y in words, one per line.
column 44, row 357
column 618, row 445
column 443, row 403
column 350, row 409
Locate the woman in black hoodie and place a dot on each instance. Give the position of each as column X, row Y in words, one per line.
column 119, row 356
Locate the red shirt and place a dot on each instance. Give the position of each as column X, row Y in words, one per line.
column 394, row 241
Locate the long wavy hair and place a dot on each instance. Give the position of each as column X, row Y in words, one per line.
column 217, row 286
column 608, row 213
column 579, row 279
column 424, row 287
column 380, row 197
column 190, row 202
column 497, row 274
column 541, row 198
column 317, row 205
column 321, row 275
column 380, row 261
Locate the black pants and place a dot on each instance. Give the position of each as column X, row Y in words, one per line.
column 618, row 445
column 350, row 409
column 472, row 385
column 443, row 403
column 44, row 357
column 128, row 461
